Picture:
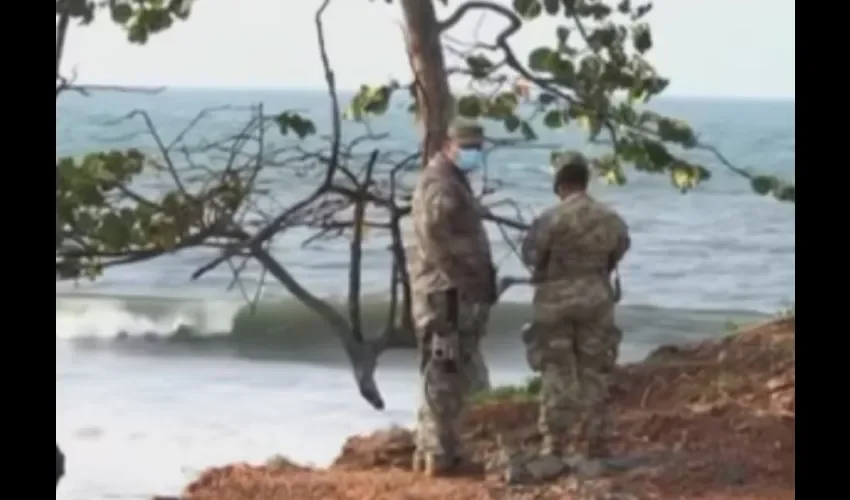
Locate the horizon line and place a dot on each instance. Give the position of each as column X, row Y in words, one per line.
column 295, row 88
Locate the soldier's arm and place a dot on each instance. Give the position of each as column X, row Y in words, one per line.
column 535, row 246
column 624, row 242
column 443, row 205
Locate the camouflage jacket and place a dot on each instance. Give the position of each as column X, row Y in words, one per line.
column 450, row 248
column 572, row 249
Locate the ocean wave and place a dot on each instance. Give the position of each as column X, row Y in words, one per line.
column 104, row 320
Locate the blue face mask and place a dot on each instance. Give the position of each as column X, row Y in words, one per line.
column 469, row 160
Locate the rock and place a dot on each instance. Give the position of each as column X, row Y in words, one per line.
column 733, row 473
column 590, row 468
column 515, row 473
column 665, row 353
column 545, row 467
column 626, row 463
column 60, row 465
column 183, row 332
column 282, row 463
column 386, row 448
column 525, row 470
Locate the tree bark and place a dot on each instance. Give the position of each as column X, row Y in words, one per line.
column 434, row 98
column 60, row 465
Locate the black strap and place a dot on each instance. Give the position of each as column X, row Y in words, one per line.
column 452, row 306
column 458, row 173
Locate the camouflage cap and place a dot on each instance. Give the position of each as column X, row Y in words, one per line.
column 568, row 158
column 569, row 167
column 466, row 132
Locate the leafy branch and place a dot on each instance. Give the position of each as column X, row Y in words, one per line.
column 599, row 83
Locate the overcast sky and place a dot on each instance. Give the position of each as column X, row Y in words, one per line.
column 712, row 48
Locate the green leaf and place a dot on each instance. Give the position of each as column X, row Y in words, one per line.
column 602, row 37
column 562, row 33
column 684, row 177
column 469, row 106
column 637, row 94
column 545, row 99
column 539, row 58
column 704, row 174
column 551, row 6
column 591, row 123
column 512, row 123
column 598, row 11
column 554, row 118
column 786, row 193
column 77, row 9
column 641, row 11
column 624, row 7
column 554, row 155
column 763, row 184
column 370, row 100
column 676, row 131
column 502, row 106
column 656, row 85
column 527, row 132
column 563, row 70
column 121, row 13
column 615, row 177
column 479, row 66
column 295, row 123
column 113, row 232
column 610, row 170
column 528, row 9
column 137, row 33
column 642, row 38
column 657, row 154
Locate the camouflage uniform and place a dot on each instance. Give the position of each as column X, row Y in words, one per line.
column 573, row 340
column 453, row 284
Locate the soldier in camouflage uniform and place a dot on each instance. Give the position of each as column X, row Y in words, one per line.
column 453, row 286
column 572, row 342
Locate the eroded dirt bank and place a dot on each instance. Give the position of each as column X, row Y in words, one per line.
column 713, row 420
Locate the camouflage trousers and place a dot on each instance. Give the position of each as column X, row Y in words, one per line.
column 574, row 360
column 447, row 384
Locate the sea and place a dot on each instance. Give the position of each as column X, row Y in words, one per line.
column 141, row 410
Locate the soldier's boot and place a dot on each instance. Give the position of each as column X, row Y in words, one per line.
column 552, row 446
column 549, row 463
column 417, row 462
column 598, row 434
column 598, row 448
column 451, row 466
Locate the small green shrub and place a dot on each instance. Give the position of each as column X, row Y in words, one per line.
column 524, row 392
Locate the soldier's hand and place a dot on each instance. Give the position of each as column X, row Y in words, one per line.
column 495, row 290
column 533, row 351
column 508, row 281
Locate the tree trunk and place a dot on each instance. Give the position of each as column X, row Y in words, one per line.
column 433, row 96
column 60, row 465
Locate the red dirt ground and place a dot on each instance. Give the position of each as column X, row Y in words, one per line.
column 724, row 408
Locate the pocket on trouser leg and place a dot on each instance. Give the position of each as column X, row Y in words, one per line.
column 444, row 388
column 597, row 348
column 615, row 337
column 443, row 396
column 560, row 401
column 477, row 376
